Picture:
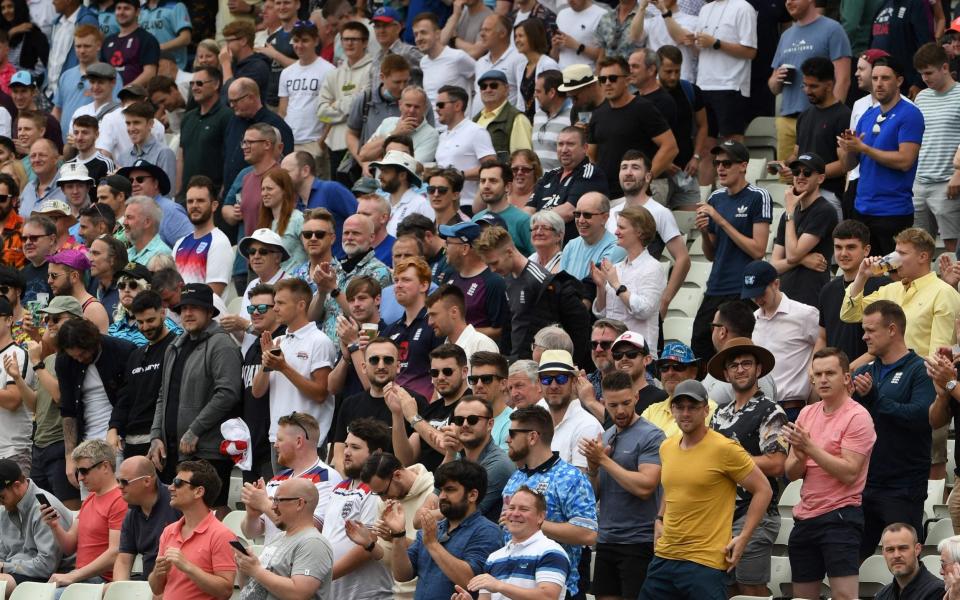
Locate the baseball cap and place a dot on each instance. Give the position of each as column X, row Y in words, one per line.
column 387, row 14
column 493, row 75
column 811, row 160
column 365, row 185
column 5, row 309
column 488, row 219
column 135, row 270
column 63, row 304
column 692, row 389
column 133, row 90
column 873, row 54
column 733, row 149
column 23, row 78
column 756, row 277
column 118, row 183
column 75, row 259
column 633, row 338
column 466, row 232
column 9, row 472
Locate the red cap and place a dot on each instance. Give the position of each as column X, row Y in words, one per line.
column 954, row 25
column 873, row 54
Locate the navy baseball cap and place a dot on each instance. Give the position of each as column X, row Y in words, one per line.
column 756, row 277
column 466, row 232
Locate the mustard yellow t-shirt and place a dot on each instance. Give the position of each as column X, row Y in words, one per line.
column 700, row 488
column 659, row 414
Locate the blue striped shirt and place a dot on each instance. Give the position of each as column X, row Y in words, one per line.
column 526, row 564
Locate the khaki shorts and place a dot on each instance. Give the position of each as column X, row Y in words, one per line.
column 938, row 450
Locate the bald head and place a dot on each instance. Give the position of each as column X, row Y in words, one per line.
column 137, row 466
column 299, row 487
column 244, row 97
column 357, row 237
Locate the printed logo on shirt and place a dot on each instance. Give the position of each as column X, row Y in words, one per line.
column 742, row 211
column 302, row 355
column 201, row 247
column 896, row 378
column 416, row 335
column 472, row 289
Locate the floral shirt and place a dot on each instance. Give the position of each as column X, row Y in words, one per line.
column 368, row 265
column 614, row 36
column 13, row 241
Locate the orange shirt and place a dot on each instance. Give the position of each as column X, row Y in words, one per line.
column 98, row 515
column 208, row 547
column 12, row 245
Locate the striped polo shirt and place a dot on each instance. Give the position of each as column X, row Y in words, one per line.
column 941, row 117
column 526, row 564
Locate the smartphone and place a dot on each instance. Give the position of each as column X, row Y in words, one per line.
column 773, row 167
column 276, row 351
column 239, row 547
column 42, row 499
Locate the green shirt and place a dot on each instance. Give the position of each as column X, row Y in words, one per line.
column 47, row 416
column 156, row 246
column 201, row 140
column 518, row 224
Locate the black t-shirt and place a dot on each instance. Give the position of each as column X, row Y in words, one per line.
column 173, row 393
column 684, row 131
column 436, row 414
column 846, row 336
column 256, row 409
column 817, row 131
column 365, row 405
column 800, row 283
column 650, row 394
column 616, row 130
column 144, row 376
column 553, row 189
column 35, row 279
column 665, row 103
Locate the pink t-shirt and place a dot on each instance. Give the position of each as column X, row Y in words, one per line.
column 208, row 547
column 850, row 428
column 98, row 515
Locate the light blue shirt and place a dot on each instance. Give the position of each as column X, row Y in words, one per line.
column 155, row 247
column 30, row 199
column 578, row 255
column 175, row 223
column 165, row 22
column 823, row 37
column 154, row 153
column 71, row 95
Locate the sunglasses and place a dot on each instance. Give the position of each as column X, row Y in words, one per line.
column 611, row 78
column 53, row 320
column 439, row 105
column 125, row 482
column 261, row 252
column 309, row 235
column 141, row 178
column 387, row 360
column 130, row 284
column 471, row 420
column 726, row 164
column 86, row 470
column 437, row 189
column 578, row 214
column 200, row 83
column 631, row 354
column 259, row 308
column 675, row 367
column 489, row 85
column 4, row 198
column 512, row 432
column 522, row 169
column 291, row 419
column 561, row 379
column 35, row 238
column 278, row 500
column 798, row 171
column 4, row 289
column 604, row 346
column 484, row 379
column 447, row 372
column 179, row 482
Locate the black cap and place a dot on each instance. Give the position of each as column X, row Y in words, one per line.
column 135, row 270
column 196, row 294
column 732, row 148
column 756, row 277
column 12, row 277
column 118, row 183
column 9, row 473
column 811, row 160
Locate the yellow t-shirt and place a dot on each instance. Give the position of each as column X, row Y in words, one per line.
column 700, row 489
column 659, row 414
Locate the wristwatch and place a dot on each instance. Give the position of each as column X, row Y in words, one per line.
column 667, row 14
column 40, row 366
column 716, row 44
column 398, row 534
column 621, row 289
column 353, row 347
column 369, row 547
column 951, row 385
column 416, row 419
column 580, row 49
column 334, row 293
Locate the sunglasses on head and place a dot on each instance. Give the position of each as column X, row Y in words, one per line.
column 471, row 420
column 489, row 84
column 447, row 372
column 387, row 360
column 631, row 354
column 437, row 189
column 179, row 482
column 561, row 379
column 128, row 284
column 86, row 470
column 611, row 78
column 805, row 171
column 309, row 235
column 484, row 379
column 259, row 308
column 601, row 345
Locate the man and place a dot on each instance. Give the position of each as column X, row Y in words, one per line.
column 726, row 35
column 76, row 183
column 86, row 128
column 462, row 28
column 370, row 108
column 692, row 124
column 319, row 238
column 595, row 244
column 902, row 33
column 71, row 14
column 464, row 144
column 207, row 255
column 387, row 27
column 87, row 40
column 734, row 319
column 113, row 191
column 851, row 245
column 571, row 518
column 299, row 83
column 911, row 579
column 102, row 95
column 887, row 156
column 103, row 513
column 676, row 571
column 141, row 223
column 536, row 298
column 446, row 314
column 602, row 335
column 582, row 46
column 553, row 116
column 203, row 129
column 488, row 377
column 830, row 446
column 414, row 106
column 198, row 565
column 313, row 192
column 240, row 61
column 65, row 277
column 27, row 546
column 43, row 159
column 468, row 437
column 377, row 209
column 139, row 120
column 201, row 385
column 164, row 93
column 301, row 561
column 149, row 513
column 398, row 178
column 896, row 391
column 278, row 46
column 608, row 140
column 571, row 422
column 24, row 93
column 626, row 483
column 151, row 181
column 864, row 76
column 441, row 64
column 425, row 231
column 11, row 224
column 495, row 179
column 59, row 211
column 260, row 151
column 731, row 237
column 508, row 126
column 756, row 423
column 936, row 173
column 788, row 329
column 523, row 384
column 632, row 356
column 560, row 189
column 496, row 37
column 812, row 35
column 353, row 504
column 133, row 51
column 113, row 138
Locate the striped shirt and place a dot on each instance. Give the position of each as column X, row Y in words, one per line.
column 526, row 564
column 323, row 477
column 545, row 132
column 941, row 116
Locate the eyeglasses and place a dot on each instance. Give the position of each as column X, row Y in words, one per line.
column 278, row 500
column 437, row 189
column 471, row 420
column 55, row 276
column 611, row 78
column 513, row 432
column 261, row 251
column 631, row 354
column 248, row 143
column 53, row 319
column 351, row 39
column 489, row 85
column 309, row 235
column 716, row 325
column 579, row 214
column 484, row 379
column 179, row 482
column 86, row 470
column 798, row 171
column 743, row 364
column 675, row 367
column 259, row 308
column 601, row 345
column 561, row 379
column 128, row 284
column 200, row 82
column 141, row 178
column 726, row 164
column 292, row 419
column 235, row 101
column 447, row 372
column 35, row 238
column 385, row 492
column 521, row 169
column 125, row 482
column 387, row 360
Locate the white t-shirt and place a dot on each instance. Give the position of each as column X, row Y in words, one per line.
column 16, row 426
column 462, row 147
column 662, row 216
column 96, row 406
column 208, row 259
column 300, row 84
column 861, row 106
column 113, row 132
column 733, row 21
column 6, row 122
column 451, row 67
column 657, row 37
column 577, row 423
column 305, row 350
column 581, row 26
column 472, row 341
column 411, row 202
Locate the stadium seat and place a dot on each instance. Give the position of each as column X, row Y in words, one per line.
column 696, row 250
column 783, row 536
column 82, row 591
column 236, row 486
column 951, row 462
column 128, row 590
column 30, row 590
column 685, row 303
column 932, row 562
column 873, row 576
column 685, row 220
column 935, row 489
column 779, row 575
column 789, row 498
column 678, row 328
column 939, row 531
column 761, row 138
column 752, row 598
column 233, row 520
column 756, row 169
column 137, row 564
column 698, row 275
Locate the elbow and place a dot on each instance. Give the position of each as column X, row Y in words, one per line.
column 588, row 538
column 848, row 478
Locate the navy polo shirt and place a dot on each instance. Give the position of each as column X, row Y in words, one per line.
column 140, row 534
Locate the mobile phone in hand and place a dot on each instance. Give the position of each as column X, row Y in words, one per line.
column 42, row 499
column 239, row 547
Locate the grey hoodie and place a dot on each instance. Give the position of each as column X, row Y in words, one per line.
column 27, row 545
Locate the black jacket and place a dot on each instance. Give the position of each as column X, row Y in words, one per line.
column 561, row 301
column 110, row 365
column 137, row 403
column 925, row 586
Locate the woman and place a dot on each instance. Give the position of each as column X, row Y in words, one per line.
column 28, row 45
column 530, row 38
column 546, row 233
column 631, row 290
column 526, row 169
column 278, row 200
column 131, row 282
column 108, row 256
column 208, row 54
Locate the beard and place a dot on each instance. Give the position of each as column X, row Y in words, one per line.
column 518, row 455
column 453, row 512
column 353, row 471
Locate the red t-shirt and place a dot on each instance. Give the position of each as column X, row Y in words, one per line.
column 98, row 516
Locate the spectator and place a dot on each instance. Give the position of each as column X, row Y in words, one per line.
column 378, row 209
column 654, row 402
column 786, row 327
column 595, row 245
column 11, row 224
column 902, row 33
column 278, row 46
column 830, row 446
column 170, row 103
column 169, row 23
column 444, row 187
column 523, row 385
column 412, row 122
column 238, row 60
column 887, row 157
column 446, row 311
column 901, row 551
column 298, row 86
column 260, row 151
column 387, row 27
column 313, row 192
column 493, row 197
column 570, row 420
column 277, row 212
column 626, row 483
column 198, row 566
column 546, row 235
column 553, row 116
column 734, row 319
column 442, row 64
column 28, row 127
column 363, row 295
column 139, row 120
column 864, row 76
column 43, row 186
column 802, row 249
column 87, row 40
column 203, row 130
column 86, row 129
column 692, row 124
column 602, row 336
column 151, row 181
column 585, row 45
column 675, row 365
column 98, row 221
column 26, row 42
column 509, row 128
column 488, row 377
column 398, row 177
column 463, row 27
column 113, row 138
column 134, row 279
column 464, row 145
column 205, row 256
column 149, row 513
column 18, row 378
column 501, row 55
column 94, row 534
column 142, row 220
column 729, row 241
column 133, row 50
column 66, row 279
column 59, row 211
column 530, row 36
column 70, row 15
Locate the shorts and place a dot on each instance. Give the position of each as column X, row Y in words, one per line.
column 620, row 569
column 726, row 112
column 938, row 448
column 682, row 580
column 684, row 191
column 49, row 472
column 828, row 544
column 754, row 565
column 932, row 197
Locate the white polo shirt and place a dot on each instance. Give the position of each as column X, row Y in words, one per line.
column 451, row 67
column 16, row 426
column 411, row 202
column 577, row 423
column 462, row 147
column 306, row 350
column 472, row 341
column 526, row 564
column 790, row 334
